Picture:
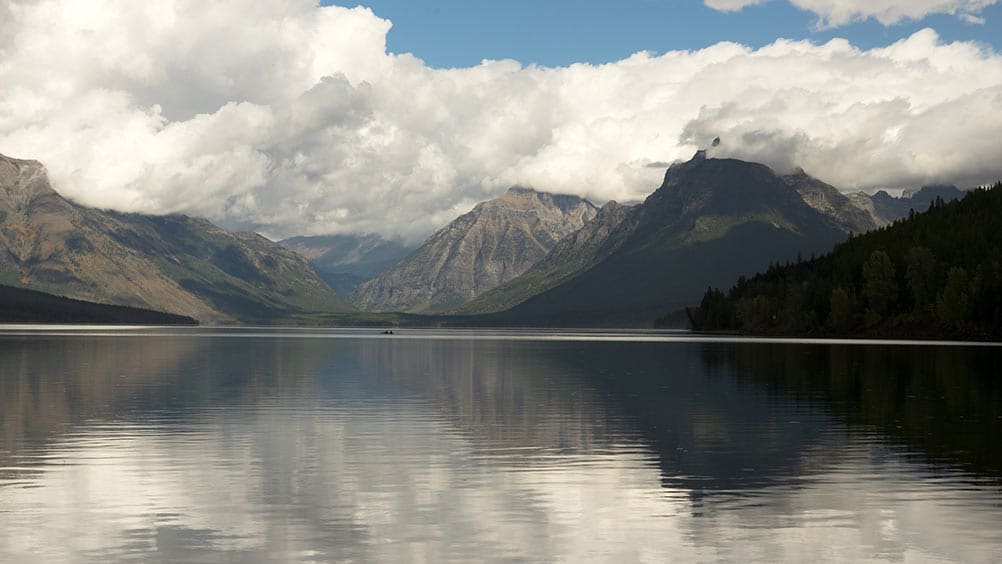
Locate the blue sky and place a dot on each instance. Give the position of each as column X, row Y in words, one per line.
column 460, row 33
column 287, row 118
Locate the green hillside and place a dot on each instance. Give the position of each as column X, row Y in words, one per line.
column 936, row 274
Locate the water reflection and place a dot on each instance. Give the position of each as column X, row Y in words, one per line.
column 280, row 448
column 941, row 404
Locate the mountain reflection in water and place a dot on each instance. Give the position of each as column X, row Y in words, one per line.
column 217, row 445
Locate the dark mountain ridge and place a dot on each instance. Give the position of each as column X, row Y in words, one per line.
column 20, row 305
column 885, row 209
column 711, row 221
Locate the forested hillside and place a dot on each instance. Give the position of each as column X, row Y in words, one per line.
column 20, row 305
column 934, row 274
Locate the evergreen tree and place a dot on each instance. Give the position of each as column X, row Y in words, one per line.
column 953, row 307
column 936, row 273
column 841, row 316
column 921, row 276
column 880, row 286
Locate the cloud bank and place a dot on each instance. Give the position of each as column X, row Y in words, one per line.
column 288, row 118
column 834, row 13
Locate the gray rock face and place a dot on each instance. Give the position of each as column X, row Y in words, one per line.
column 864, row 202
column 494, row 243
column 825, row 198
column 586, row 247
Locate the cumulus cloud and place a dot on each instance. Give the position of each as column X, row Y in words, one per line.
column 289, row 118
column 834, row 13
column 972, row 19
column 732, row 5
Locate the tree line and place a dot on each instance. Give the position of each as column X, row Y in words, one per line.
column 933, row 274
column 21, row 305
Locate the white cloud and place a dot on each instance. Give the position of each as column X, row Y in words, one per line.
column 834, row 13
column 292, row 119
column 972, row 19
column 732, row 5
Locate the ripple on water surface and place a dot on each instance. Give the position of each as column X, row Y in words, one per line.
column 270, row 445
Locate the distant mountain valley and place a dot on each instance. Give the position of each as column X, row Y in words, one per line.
column 525, row 257
column 344, row 262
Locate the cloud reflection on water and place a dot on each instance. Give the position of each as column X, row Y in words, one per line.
column 294, row 449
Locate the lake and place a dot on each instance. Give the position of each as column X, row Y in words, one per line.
column 288, row 445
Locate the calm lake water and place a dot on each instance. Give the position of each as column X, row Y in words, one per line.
column 290, row 445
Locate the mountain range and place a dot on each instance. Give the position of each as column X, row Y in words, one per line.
column 886, row 209
column 171, row 263
column 492, row 244
column 711, row 221
column 526, row 257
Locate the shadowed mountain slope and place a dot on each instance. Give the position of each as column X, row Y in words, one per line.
column 169, row 263
column 20, row 305
column 712, row 221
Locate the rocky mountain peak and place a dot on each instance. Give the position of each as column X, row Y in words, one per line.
column 492, row 244
column 710, row 186
column 21, row 182
column 169, row 263
column 930, row 192
column 520, row 191
column 711, row 221
column 522, row 197
column 825, row 198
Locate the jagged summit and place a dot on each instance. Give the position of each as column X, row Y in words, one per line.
column 526, row 197
column 717, row 186
column 828, row 200
column 711, row 221
column 932, row 191
column 21, row 181
column 494, row 243
column 573, row 254
column 520, row 190
column 19, row 162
